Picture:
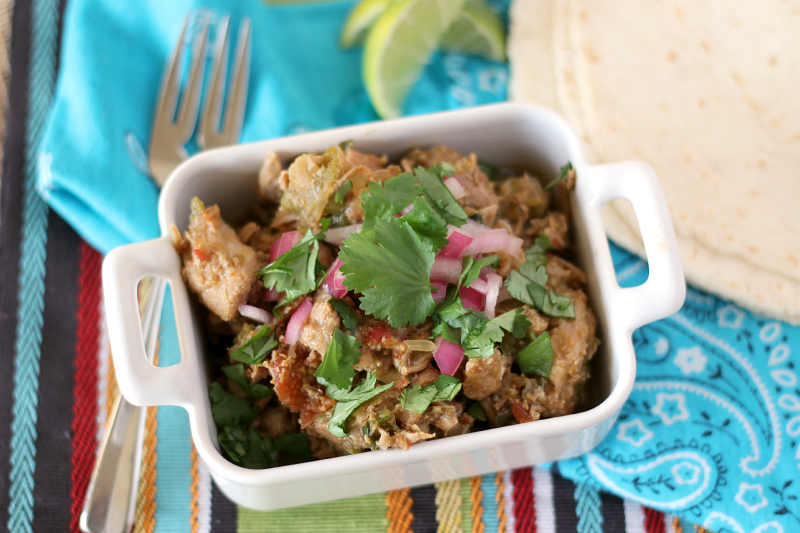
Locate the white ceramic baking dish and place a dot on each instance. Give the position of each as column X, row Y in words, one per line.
column 522, row 136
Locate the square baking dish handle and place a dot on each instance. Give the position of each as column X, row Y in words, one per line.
column 141, row 382
column 664, row 291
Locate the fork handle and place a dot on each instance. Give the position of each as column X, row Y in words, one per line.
column 110, row 491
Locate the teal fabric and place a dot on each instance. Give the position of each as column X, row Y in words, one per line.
column 93, row 162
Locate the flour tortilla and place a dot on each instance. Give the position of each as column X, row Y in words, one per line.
column 707, row 93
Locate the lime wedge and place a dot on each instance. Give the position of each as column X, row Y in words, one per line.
column 477, row 31
column 399, row 45
column 359, row 21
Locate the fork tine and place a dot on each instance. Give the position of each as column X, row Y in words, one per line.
column 234, row 114
column 187, row 115
column 209, row 119
column 169, row 89
column 210, row 134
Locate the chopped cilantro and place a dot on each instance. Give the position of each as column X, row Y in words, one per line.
column 476, row 411
column 471, row 268
column 536, row 254
column 490, row 170
column 235, row 373
column 393, row 272
column 246, row 448
column 528, row 286
column 417, row 398
column 427, row 223
column 257, row 348
column 296, row 272
column 295, row 445
column 561, row 175
column 481, row 340
column 345, row 313
column 537, row 357
column 336, row 370
column 228, row 409
column 381, row 201
column 439, row 195
column 340, row 195
column 349, row 401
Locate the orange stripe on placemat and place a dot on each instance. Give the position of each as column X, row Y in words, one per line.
column 398, row 511
column 476, row 499
column 501, row 502
column 448, row 506
column 144, row 518
column 653, row 520
column 111, row 391
column 194, row 486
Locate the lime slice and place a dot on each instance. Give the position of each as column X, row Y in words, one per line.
column 399, row 45
column 359, row 21
column 477, row 31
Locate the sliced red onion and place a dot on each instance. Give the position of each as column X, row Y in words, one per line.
column 503, row 295
column 474, row 228
column 447, row 269
column 440, row 292
column 406, row 210
column 471, row 298
column 448, row 356
column 271, row 295
column 296, row 323
column 493, row 240
column 337, row 236
column 455, row 188
column 457, row 242
column 480, row 285
column 255, row 313
column 283, row 244
column 334, row 281
column 494, row 282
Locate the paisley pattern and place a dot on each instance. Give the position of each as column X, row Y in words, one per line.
column 712, row 428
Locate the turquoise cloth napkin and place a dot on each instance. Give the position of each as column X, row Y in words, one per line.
column 712, row 429
column 93, row 164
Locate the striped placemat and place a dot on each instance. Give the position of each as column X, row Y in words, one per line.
column 57, row 385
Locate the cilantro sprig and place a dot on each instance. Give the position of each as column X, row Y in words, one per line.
column 336, row 369
column 296, row 272
column 563, row 172
column 348, row 401
column 528, row 286
column 230, row 410
column 258, row 347
column 346, row 314
column 537, row 357
column 235, row 373
column 417, row 398
column 390, row 266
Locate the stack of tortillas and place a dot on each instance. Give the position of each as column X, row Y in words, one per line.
column 706, row 92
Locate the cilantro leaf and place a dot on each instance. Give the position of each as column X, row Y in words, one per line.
column 427, row 223
column 537, row 254
column 336, row 369
column 235, row 373
column 257, row 348
column 528, row 286
column 295, row 445
column 348, row 402
column 296, row 272
column 561, row 175
column 537, row 357
column 244, row 447
column 514, row 321
column 476, row 411
column 340, row 195
column 417, row 398
column 382, row 201
column 471, row 268
column 440, row 196
column 394, row 267
column 345, row 313
column 228, row 409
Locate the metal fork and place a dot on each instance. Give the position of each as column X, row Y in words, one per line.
column 111, row 495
